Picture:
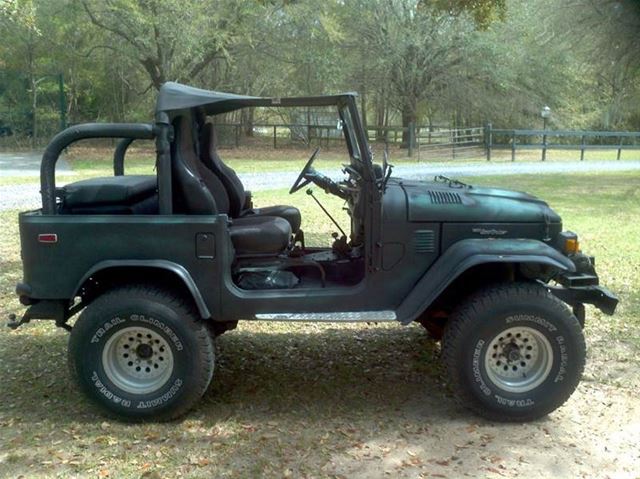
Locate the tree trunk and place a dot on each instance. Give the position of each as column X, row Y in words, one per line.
column 409, row 116
column 247, row 117
column 363, row 108
column 381, row 117
column 34, row 91
column 363, row 93
column 34, row 106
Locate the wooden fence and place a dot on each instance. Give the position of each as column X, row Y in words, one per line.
column 429, row 142
column 282, row 134
column 544, row 140
column 454, row 143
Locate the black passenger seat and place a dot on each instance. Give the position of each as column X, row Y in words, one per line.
column 238, row 207
column 197, row 190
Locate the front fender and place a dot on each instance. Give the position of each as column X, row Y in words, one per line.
column 471, row 252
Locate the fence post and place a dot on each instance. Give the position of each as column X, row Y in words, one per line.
column 619, row 148
column 582, row 143
column 411, row 137
column 275, row 146
column 453, row 143
column 513, row 145
column 487, row 140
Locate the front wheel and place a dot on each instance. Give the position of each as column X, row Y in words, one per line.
column 513, row 352
column 139, row 352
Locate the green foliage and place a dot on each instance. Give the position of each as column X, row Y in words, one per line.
column 484, row 12
column 170, row 39
column 605, row 35
column 429, row 61
column 421, row 48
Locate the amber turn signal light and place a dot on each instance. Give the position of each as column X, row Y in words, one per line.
column 571, row 246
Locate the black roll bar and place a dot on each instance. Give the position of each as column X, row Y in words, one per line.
column 164, row 137
column 118, row 156
column 75, row 133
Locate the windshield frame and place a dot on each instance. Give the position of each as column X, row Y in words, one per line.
column 355, row 138
column 348, row 131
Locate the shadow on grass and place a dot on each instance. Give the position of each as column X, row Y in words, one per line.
column 258, row 375
column 333, row 372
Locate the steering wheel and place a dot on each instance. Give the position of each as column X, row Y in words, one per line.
column 299, row 183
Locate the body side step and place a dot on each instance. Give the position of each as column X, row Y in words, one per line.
column 339, row 317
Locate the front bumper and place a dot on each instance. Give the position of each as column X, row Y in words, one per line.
column 599, row 296
column 583, row 287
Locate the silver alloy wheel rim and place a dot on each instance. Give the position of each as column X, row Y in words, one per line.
column 137, row 360
column 518, row 359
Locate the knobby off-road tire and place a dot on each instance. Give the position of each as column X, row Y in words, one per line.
column 513, row 352
column 141, row 353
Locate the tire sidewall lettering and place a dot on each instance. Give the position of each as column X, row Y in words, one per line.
column 102, row 389
column 477, row 373
column 162, row 399
column 101, row 332
column 104, row 329
column 564, row 359
column 517, row 318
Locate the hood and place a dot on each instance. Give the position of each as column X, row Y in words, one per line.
column 429, row 201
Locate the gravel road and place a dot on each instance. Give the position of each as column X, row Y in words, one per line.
column 27, row 164
column 27, row 195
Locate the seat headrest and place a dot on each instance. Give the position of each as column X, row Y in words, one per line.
column 192, row 195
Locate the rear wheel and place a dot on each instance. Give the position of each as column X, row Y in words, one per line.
column 514, row 352
column 141, row 353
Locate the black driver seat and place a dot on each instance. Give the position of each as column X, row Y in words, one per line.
column 235, row 188
column 196, row 190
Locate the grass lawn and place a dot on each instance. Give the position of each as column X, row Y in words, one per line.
column 318, row 400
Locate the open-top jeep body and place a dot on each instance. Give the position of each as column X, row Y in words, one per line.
column 160, row 265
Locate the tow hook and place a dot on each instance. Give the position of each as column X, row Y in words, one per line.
column 46, row 309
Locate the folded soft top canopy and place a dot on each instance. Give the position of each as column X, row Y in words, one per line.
column 174, row 96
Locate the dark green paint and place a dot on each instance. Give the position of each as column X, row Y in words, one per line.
column 419, row 236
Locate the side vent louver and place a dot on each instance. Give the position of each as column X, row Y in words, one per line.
column 444, row 198
column 424, row 241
